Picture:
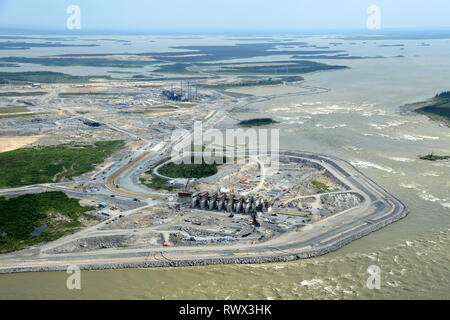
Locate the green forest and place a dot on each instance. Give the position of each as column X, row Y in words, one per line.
column 19, row 216
column 35, row 165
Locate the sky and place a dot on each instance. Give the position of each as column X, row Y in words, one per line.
column 222, row 15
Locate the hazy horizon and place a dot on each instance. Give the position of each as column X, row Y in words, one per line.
column 226, row 32
column 233, row 16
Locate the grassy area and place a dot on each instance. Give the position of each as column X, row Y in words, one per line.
column 19, row 216
column 256, row 122
column 433, row 157
column 320, row 186
column 22, row 94
column 157, row 183
column 438, row 109
column 53, row 163
column 188, row 170
column 43, row 76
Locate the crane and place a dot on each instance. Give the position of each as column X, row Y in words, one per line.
column 231, row 193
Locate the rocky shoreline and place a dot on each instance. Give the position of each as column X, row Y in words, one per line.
column 315, row 252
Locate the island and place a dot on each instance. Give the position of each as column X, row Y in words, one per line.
column 436, row 108
column 433, row 157
column 257, row 122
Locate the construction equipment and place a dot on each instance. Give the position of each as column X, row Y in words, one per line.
column 231, row 193
column 187, row 183
column 230, row 199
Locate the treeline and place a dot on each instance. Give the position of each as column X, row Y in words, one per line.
column 443, row 95
column 43, row 76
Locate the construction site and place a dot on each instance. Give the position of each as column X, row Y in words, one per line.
column 306, row 205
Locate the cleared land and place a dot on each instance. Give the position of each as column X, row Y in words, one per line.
column 13, row 143
column 81, row 90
